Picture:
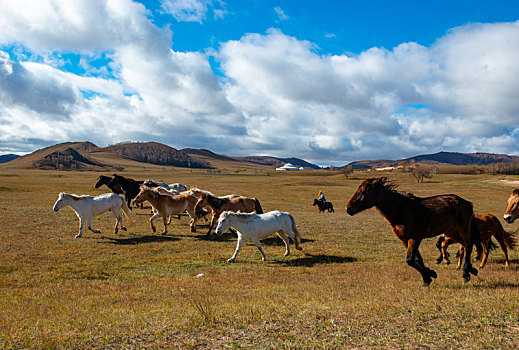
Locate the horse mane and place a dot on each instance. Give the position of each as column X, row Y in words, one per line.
column 200, row 191
column 75, row 196
column 389, row 185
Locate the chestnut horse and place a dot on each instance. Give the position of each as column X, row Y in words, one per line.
column 220, row 204
column 165, row 205
column 512, row 210
column 413, row 218
column 323, row 206
column 489, row 226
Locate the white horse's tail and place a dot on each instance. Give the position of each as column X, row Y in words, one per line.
column 296, row 232
column 126, row 211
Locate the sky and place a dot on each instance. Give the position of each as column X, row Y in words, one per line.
column 327, row 81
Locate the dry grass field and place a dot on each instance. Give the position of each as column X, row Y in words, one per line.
column 349, row 288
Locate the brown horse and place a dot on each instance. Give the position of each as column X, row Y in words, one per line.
column 323, row 206
column 413, row 218
column 489, row 226
column 166, row 204
column 220, row 204
column 512, row 210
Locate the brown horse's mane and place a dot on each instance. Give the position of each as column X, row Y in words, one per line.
column 214, row 201
column 390, row 185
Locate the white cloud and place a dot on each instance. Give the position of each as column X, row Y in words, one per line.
column 278, row 95
column 280, row 13
column 186, row 10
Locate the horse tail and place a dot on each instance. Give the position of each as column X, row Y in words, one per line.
column 257, row 207
column 491, row 245
column 296, row 232
column 510, row 238
column 126, row 211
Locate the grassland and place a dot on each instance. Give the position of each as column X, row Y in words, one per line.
column 349, row 288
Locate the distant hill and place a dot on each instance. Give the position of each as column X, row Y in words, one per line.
column 451, row 158
column 67, row 155
column 4, row 158
column 156, row 153
column 67, row 159
column 258, row 161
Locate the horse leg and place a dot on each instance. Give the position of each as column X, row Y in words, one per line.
column 238, row 247
column 439, row 242
column 414, row 259
column 154, row 216
column 80, row 227
column 284, row 237
column 502, row 243
column 165, row 221
column 485, row 255
column 467, row 265
column 445, row 244
column 89, row 225
column 461, row 254
column 118, row 220
column 258, row 244
column 213, row 223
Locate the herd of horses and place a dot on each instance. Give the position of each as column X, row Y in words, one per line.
column 412, row 218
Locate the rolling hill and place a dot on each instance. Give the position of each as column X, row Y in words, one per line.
column 450, row 158
column 4, row 158
column 88, row 156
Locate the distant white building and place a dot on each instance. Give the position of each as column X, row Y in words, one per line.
column 289, row 166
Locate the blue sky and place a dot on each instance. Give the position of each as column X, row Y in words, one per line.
column 328, row 81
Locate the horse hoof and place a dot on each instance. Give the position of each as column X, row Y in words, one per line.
column 448, row 262
column 77, row 236
column 124, row 228
column 466, row 278
column 473, row 271
column 438, row 261
column 154, row 229
column 433, row 274
column 230, row 260
column 426, row 284
column 299, row 248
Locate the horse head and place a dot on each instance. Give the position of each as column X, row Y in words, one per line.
column 316, row 202
column 512, row 210
column 143, row 195
column 224, row 223
column 367, row 194
column 61, row 202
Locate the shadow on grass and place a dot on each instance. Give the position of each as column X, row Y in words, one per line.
column 276, row 241
column 310, row 260
column 139, row 240
column 225, row 237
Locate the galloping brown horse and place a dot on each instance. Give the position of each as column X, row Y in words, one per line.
column 165, row 205
column 489, row 226
column 413, row 218
column 220, row 204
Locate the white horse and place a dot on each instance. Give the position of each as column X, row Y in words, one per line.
column 178, row 187
column 253, row 227
column 87, row 207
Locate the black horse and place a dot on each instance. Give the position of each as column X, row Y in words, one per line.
column 104, row 180
column 129, row 186
column 324, row 206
